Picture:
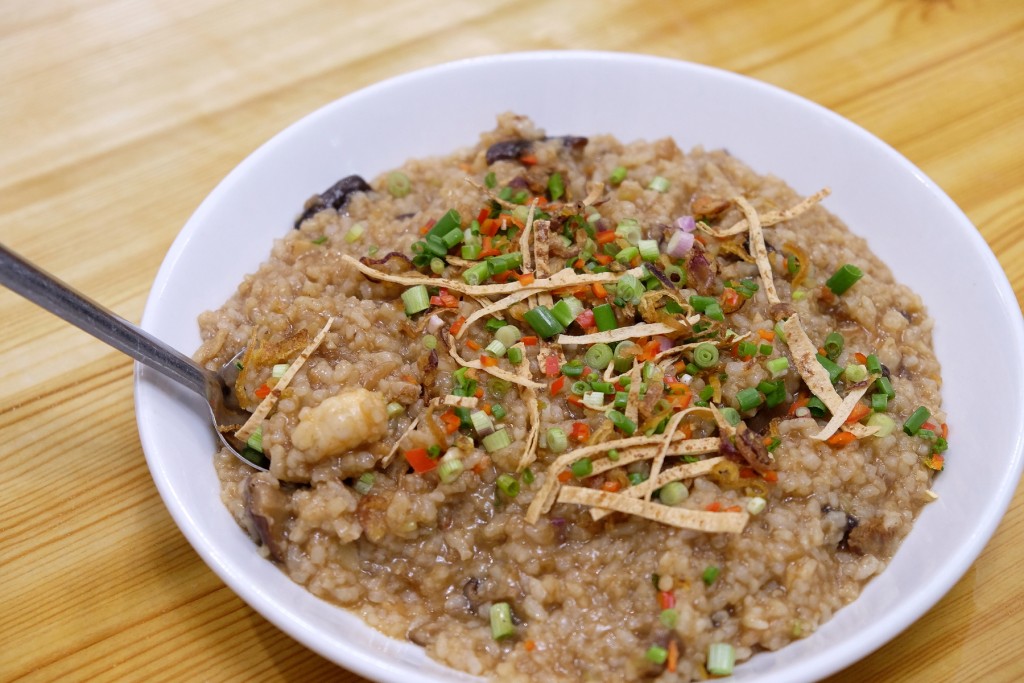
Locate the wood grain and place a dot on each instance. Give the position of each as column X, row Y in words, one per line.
column 118, row 117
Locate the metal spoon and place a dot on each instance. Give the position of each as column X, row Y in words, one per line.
column 45, row 290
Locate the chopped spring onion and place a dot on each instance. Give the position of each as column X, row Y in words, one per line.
column 673, row 493
column 629, row 288
column 721, row 659
column 778, row 366
column 398, row 184
column 843, row 279
column 636, row 478
column 416, row 299
column 613, row 455
column 556, row 187
column 355, row 232
column 364, row 483
column 816, row 407
column 498, row 412
column 606, row 388
column 748, row 399
column 436, row 266
column 649, row 250
column 913, row 424
column 885, row 424
column 430, row 341
column 711, row 573
column 481, row 422
column 320, row 240
column 557, row 440
column 476, row 274
column 623, row 423
column 582, row 468
column 580, row 388
column 626, row 256
column 780, row 333
column 700, row 303
column 593, row 399
column 669, row 617
column 515, row 355
column 629, row 230
column 746, row 349
column 598, row 356
column 508, row 485
column 501, row 621
column 618, row 175
column 434, row 451
column 451, row 467
column 445, row 223
column 833, row 370
column 504, row 262
column 855, row 372
column 452, row 237
column 573, row 368
column 566, row 310
column 543, row 322
column 765, row 349
column 490, row 180
column 714, row 311
column 834, row 343
column 496, row 441
column 774, row 392
column 874, row 366
column 528, row 476
column 277, row 372
column 496, row 349
column 879, row 402
column 624, row 354
column 756, row 505
column 471, row 252
column 885, row 386
column 604, row 318
column 659, row 184
column 395, row 409
column 498, row 387
column 508, row 335
column 705, row 355
column 656, row 654
column 730, row 415
column 255, row 440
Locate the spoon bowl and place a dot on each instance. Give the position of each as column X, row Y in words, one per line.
column 47, row 291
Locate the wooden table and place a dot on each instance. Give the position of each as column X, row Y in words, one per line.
column 117, row 118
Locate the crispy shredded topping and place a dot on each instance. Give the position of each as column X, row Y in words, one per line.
column 758, row 251
column 816, row 377
column 686, row 470
column 268, row 403
column 774, row 217
column 612, row 336
column 386, row 460
column 529, row 453
column 498, row 372
column 682, row 518
column 845, row 408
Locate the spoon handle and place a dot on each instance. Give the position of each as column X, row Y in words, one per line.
column 58, row 298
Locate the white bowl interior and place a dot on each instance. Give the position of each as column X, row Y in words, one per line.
column 909, row 222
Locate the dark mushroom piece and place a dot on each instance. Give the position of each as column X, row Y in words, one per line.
column 334, row 197
column 700, row 271
column 513, row 150
column 267, row 506
column 752, row 450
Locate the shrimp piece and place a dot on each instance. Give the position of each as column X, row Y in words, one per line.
column 340, row 423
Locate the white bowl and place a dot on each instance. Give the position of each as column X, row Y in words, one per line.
column 909, row 222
